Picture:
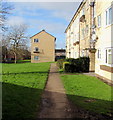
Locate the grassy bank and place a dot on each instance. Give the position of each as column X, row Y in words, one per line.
column 22, row 88
column 89, row 93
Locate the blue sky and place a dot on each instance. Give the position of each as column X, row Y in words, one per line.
column 51, row 16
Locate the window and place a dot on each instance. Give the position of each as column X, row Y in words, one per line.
column 99, row 54
column 83, row 33
column 36, row 49
column 94, row 10
column 109, row 16
column 99, row 20
column 87, row 4
column 83, row 11
column 109, row 56
column 87, row 29
column 36, row 40
column 36, row 57
column 82, row 52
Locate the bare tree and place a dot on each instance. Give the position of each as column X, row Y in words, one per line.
column 18, row 39
column 5, row 9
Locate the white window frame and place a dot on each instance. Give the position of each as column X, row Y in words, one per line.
column 109, row 17
column 36, row 56
column 83, row 53
column 107, row 53
column 37, row 49
column 36, row 40
column 94, row 11
column 99, row 20
column 99, row 53
column 87, row 29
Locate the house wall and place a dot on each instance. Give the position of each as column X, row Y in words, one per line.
column 46, row 47
column 105, row 40
column 104, row 37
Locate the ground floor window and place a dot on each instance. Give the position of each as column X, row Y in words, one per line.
column 36, row 57
column 99, row 54
column 109, row 56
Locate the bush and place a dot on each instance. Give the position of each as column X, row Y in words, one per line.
column 60, row 63
column 77, row 65
column 70, row 68
column 64, row 64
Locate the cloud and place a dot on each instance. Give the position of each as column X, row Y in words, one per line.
column 63, row 10
column 15, row 20
column 53, row 27
column 53, row 17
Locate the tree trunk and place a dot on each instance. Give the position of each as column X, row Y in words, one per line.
column 15, row 57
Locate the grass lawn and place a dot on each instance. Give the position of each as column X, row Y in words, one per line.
column 89, row 93
column 22, row 88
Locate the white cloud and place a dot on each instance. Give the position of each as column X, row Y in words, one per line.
column 63, row 10
column 53, row 27
column 15, row 20
column 44, row 16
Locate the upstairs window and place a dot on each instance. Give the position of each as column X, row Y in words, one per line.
column 36, row 49
column 99, row 54
column 99, row 20
column 109, row 16
column 87, row 29
column 36, row 40
column 94, row 10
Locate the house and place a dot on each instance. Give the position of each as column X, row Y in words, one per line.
column 42, row 47
column 89, row 33
column 60, row 54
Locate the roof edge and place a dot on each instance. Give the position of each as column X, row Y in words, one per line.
column 74, row 15
column 44, row 31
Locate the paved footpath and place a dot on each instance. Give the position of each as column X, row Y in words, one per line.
column 55, row 103
column 54, row 100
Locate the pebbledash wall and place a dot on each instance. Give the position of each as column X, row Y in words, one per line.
column 42, row 47
column 90, row 33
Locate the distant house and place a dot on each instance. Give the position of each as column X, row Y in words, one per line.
column 60, row 54
column 42, row 47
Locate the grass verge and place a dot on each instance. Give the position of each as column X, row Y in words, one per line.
column 22, row 87
column 89, row 93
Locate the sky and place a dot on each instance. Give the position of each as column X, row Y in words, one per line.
column 53, row 17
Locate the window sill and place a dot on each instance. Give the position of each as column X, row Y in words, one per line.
column 106, row 68
column 108, row 25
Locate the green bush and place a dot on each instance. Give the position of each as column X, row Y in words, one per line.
column 64, row 64
column 60, row 63
column 70, row 68
column 77, row 65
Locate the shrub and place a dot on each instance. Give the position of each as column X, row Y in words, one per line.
column 60, row 63
column 64, row 64
column 77, row 65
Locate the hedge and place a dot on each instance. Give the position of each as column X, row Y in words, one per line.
column 77, row 65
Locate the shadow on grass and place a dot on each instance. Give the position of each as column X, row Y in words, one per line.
column 18, row 61
column 40, row 72
column 23, row 103
column 20, row 102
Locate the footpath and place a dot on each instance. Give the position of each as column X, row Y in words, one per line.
column 54, row 100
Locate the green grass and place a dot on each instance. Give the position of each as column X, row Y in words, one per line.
column 89, row 93
column 22, row 87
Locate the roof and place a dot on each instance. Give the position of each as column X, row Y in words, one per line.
column 74, row 15
column 45, row 32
